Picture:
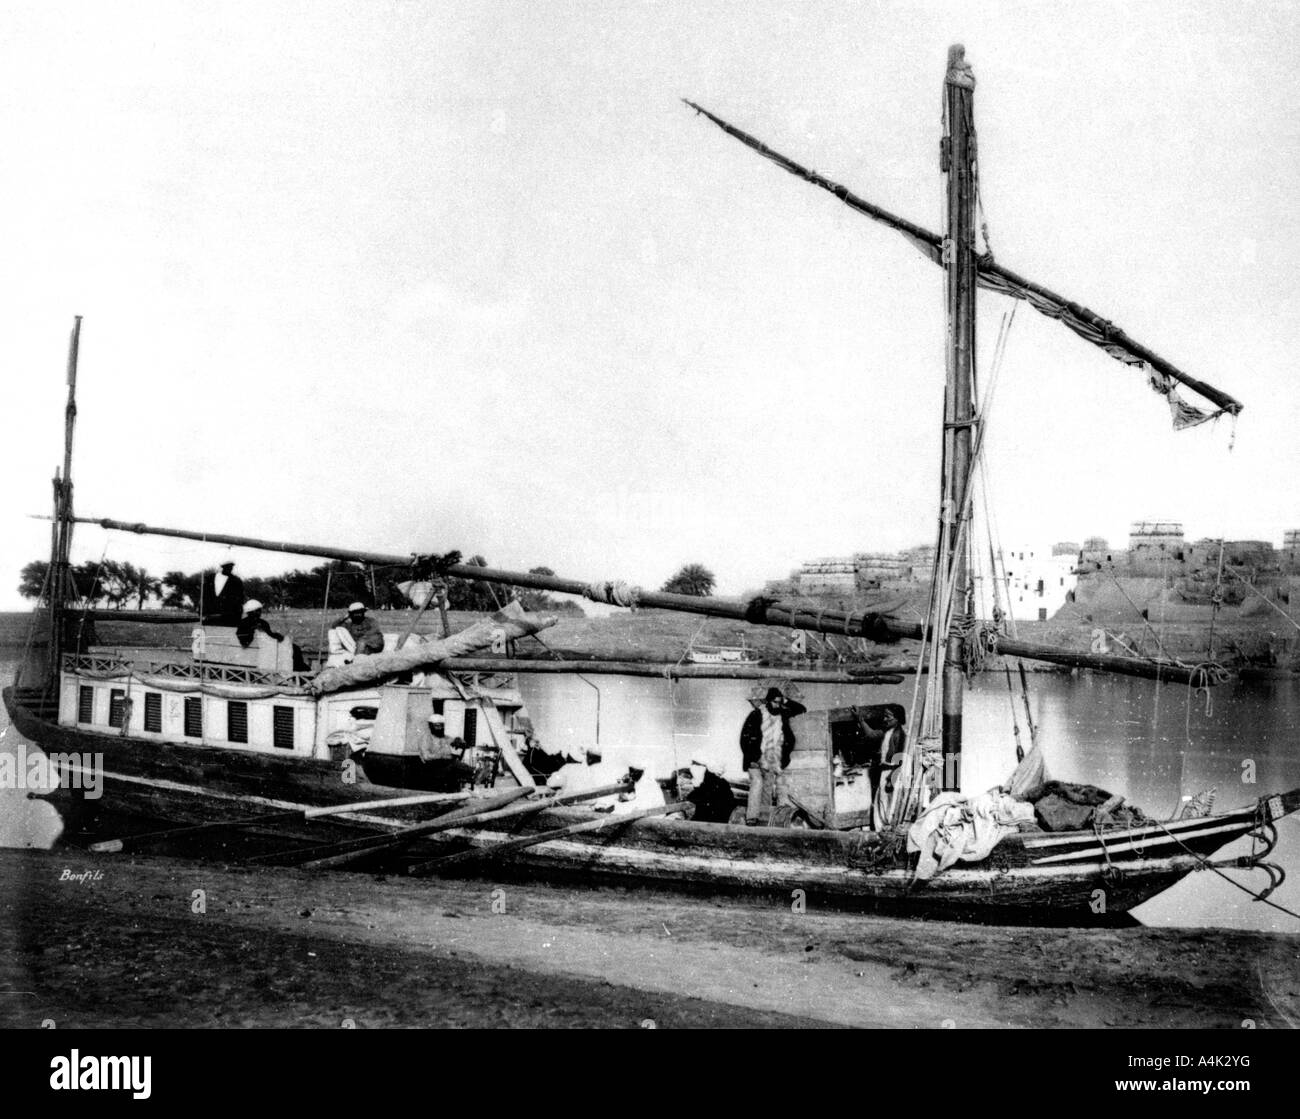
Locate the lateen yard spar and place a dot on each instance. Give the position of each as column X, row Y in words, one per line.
column 321, row 767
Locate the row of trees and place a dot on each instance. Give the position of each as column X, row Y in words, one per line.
column 111, row 583
column 119, row 585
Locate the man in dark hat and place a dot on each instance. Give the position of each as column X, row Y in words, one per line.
column 222, row 598
column 766, row 742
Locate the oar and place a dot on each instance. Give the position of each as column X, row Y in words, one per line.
column 341, row 854
column 345, row 851
column 444, row 862
column 131, row 842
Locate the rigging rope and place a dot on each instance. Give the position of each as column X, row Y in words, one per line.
column 538, row 638
column 31, row 628
column 1110, row 570
column 329, row 575
column 1206, row 864
column 1251, row 586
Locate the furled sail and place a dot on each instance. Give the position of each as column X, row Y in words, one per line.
column 506, row 624
column 994, row 277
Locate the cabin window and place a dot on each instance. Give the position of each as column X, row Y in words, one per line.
column 116, row 707
column 86, row 705
column 153, row 712
column 282, row 728
column 236, row 721
column 1040, row 586
column 1042, row 613
column 471, row 728
column 193, row 717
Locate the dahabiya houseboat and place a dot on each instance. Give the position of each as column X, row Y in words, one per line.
column 414, row 757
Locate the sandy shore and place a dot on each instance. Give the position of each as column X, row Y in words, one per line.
column 274, row 947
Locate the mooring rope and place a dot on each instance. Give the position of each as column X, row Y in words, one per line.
column 1206, row 864
column 613, row 593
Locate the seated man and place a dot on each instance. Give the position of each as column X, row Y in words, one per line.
column 708, row 790
column 252, row 623
column 356, row 635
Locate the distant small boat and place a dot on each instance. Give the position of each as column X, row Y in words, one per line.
column 722, row 654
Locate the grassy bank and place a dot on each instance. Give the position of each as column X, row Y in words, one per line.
column 658, row 635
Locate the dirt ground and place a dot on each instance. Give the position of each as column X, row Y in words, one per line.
column 133, row 944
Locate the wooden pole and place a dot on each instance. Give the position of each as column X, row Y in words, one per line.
column 133, row 842
column 671, row 670
column 442, row 609
column 60, row 576
column 406, row 635
column 476, row 854
column 958, row 160
column 999, row 276
column 349, row 851
column 854, row 623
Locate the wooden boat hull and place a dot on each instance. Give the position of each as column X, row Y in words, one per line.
column 1075, row 878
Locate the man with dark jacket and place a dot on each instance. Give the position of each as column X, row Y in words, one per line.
column 222, row 597
column 359, row 633
column 708, row 791
column 252, row 623
column 766, row 742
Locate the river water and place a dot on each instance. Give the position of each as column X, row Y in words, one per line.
column 1154, row 744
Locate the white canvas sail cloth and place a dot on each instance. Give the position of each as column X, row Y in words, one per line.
column 509, row 623
column 580, row 778
column 959, row 829
column 955, row 828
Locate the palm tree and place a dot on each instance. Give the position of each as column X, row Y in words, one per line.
column 692, row 578
column 137, row 582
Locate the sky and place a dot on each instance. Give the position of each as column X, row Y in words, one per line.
column 412, row 276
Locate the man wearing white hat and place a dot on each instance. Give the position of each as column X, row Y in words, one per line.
column 355, row 635
column 706, row 788
column 252, row 623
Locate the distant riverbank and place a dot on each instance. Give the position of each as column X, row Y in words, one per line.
column 663, row 636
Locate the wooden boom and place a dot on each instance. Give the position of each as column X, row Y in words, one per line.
column 756, row 611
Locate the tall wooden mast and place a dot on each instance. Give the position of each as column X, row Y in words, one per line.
column 957, row 160
column 60, row 575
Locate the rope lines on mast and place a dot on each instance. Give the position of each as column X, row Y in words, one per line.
column 31, row 626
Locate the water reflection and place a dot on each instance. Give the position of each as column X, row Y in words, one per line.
column 25, row 821
column 1152, row 744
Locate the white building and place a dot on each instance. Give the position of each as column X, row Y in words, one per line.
column 1038, row 583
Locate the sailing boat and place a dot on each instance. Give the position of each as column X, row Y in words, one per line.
column 235, row 740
